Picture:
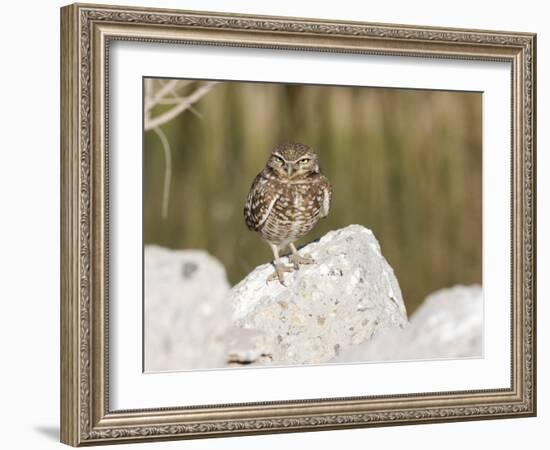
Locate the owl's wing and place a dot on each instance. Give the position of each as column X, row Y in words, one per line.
column 259, row 203
column 327, row 197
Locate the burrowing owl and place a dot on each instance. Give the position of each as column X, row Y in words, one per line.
column 286, row 200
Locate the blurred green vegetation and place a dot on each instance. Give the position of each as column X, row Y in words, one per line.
column 404, row 163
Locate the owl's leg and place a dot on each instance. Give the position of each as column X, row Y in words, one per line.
column 280, row 267
column 298, row 259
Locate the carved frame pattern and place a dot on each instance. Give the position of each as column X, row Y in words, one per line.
column 86, row 31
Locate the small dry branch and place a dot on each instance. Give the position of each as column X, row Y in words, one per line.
column 169, row 94
column 177, row 95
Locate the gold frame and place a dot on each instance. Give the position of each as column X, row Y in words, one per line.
column 86, row 31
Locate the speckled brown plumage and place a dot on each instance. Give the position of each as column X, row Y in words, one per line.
column 287, row 197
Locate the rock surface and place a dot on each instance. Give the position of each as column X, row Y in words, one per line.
column 449, row 324
column 186, row 312
column 343, row 299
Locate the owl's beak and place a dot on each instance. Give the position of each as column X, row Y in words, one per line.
column 289, row 169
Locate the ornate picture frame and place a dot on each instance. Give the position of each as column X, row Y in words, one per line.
column 87, row 32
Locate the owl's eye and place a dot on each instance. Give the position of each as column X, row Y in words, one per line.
column 304, row 161
column 276, row 160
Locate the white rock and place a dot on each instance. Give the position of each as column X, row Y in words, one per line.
column 245, row 347
column 341, row 300
column 448, row 324
column 186, row 312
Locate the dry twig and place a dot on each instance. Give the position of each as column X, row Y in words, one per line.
column 160, row 92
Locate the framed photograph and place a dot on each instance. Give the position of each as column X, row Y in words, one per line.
column 276, row 224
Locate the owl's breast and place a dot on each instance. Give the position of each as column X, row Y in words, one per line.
column 294, row 214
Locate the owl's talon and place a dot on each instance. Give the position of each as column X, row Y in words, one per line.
column 297, row 259
column 279, row 273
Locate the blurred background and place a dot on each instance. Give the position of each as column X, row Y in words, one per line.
column 404, row 163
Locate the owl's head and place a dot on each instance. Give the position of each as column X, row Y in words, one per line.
column 293, row 161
